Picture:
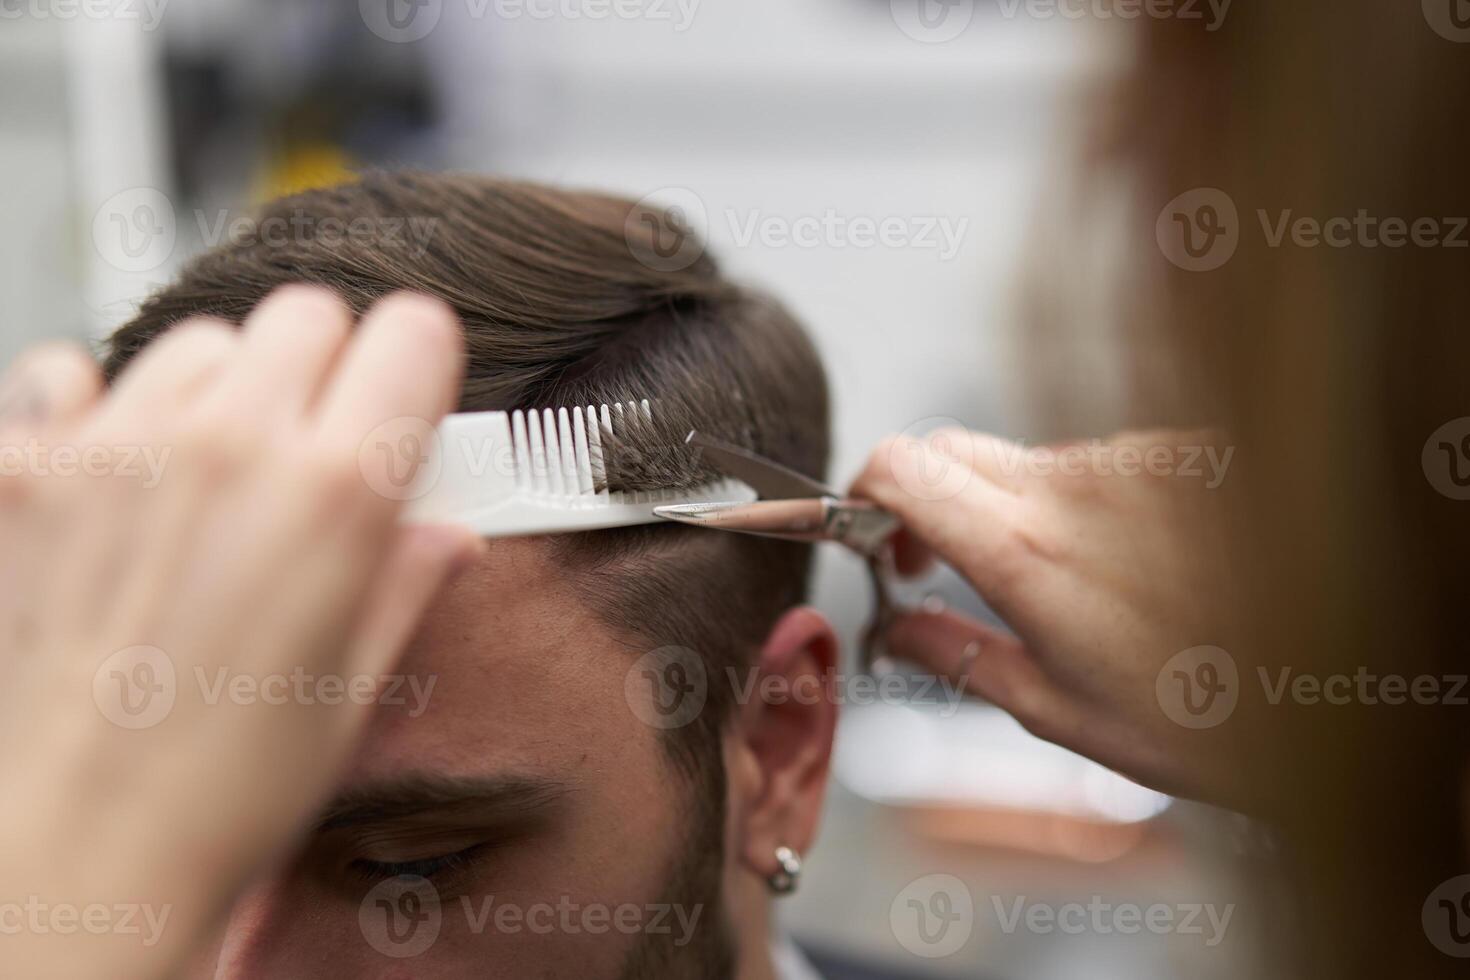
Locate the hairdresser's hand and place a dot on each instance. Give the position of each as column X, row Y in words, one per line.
column 210, row 518
column 1106, row 559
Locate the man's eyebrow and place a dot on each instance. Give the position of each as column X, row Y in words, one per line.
column 487, row 797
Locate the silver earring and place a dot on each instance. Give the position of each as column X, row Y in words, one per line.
column 783, row 882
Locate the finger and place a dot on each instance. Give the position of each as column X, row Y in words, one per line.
column 998, row 460
column 975, row 525
column 292, row 341
column 404, row 363
column 912, row 558
column 988, row 662
column 50, row 385
column 420, row 563
column 175, row 369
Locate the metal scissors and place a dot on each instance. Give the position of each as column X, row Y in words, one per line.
column 797, row 508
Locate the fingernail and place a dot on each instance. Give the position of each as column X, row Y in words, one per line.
column 933, row 604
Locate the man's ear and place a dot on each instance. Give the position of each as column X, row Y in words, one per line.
column 785, row 724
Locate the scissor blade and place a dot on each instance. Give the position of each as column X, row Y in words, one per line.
column 769, row 479
column 797, row 520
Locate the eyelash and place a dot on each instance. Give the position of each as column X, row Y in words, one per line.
column 445, row 864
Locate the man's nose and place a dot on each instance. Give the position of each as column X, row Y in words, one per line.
column 248, row 943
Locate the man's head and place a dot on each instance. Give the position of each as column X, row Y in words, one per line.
column 595, row 785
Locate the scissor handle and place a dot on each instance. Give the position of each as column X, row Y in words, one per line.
column 859, row 524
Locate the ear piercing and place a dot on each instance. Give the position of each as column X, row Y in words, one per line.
column 783, row 882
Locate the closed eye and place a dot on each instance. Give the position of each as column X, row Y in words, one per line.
column 444, row 865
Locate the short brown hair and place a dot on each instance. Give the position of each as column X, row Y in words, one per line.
column 560, row 307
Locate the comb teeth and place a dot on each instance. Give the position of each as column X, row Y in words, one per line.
column 558, row 453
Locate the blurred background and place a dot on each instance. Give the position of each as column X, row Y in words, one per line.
column 137, row 132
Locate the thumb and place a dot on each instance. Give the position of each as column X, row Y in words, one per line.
column 972, row 522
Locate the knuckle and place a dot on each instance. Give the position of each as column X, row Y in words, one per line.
column 1016, row 552
column 221, row 449
column 335, row 477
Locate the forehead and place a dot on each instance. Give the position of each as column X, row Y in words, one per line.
column 510, row 670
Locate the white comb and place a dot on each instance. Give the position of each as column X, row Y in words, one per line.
column 512, row 473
